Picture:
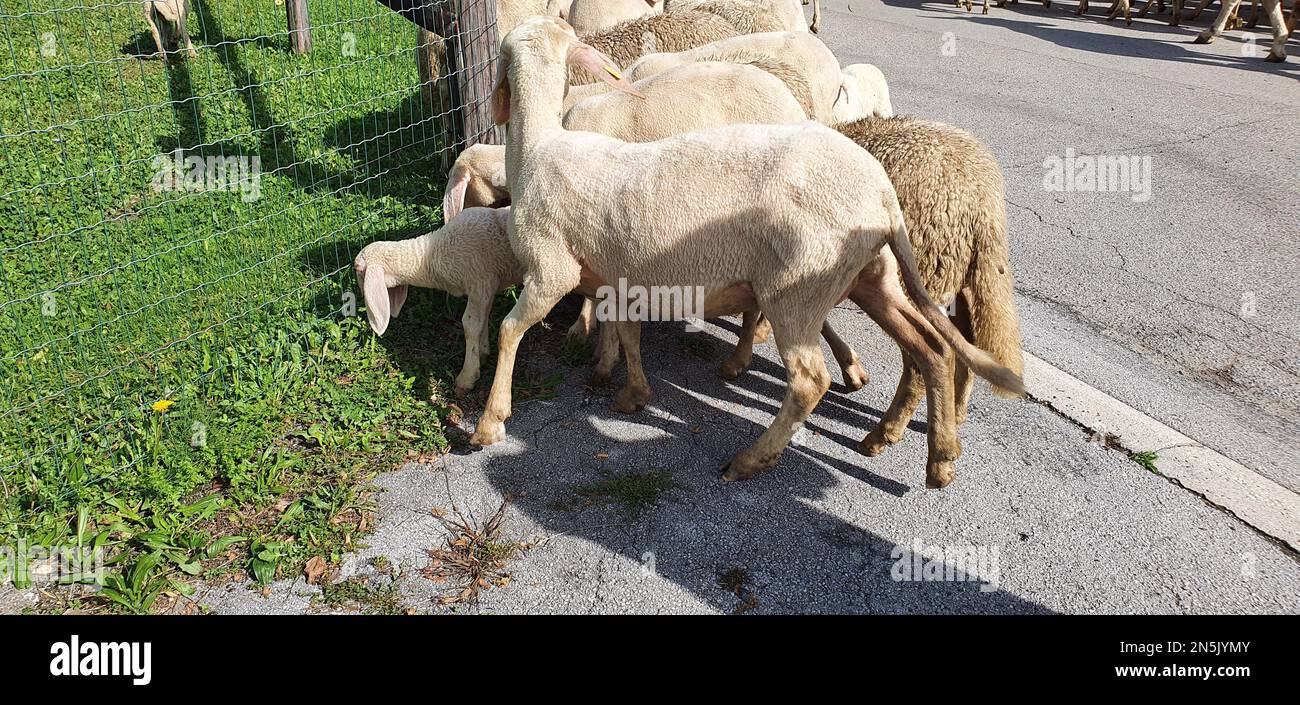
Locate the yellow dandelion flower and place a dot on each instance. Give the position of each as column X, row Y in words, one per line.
column 162, row 405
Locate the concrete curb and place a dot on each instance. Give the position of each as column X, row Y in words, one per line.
column 1254, row 499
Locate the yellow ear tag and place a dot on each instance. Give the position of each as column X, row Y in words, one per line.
column 613, row 72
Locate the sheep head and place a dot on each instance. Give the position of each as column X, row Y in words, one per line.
column 863, row 93
column 477, row 178
column 383, row 300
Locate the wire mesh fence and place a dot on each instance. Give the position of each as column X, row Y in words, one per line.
column 166, row 215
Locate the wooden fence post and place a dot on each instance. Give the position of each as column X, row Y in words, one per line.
column 429, row 51
column 477, row 46
column 299, row 26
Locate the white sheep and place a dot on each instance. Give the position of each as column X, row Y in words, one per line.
column 469, row 256
column 865, row 94
column 590, row 210
column 685, row 98
column 587, row 16
column 808, row 67
column 951, row 191
column 1273, row 8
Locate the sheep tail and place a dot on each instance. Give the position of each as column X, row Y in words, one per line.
column 1006, row 382
column 994, row 321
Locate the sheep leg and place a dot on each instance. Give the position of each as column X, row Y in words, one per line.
column 185, row 32
column 738, row 361
column 1146, row 7
column 1083, row 7
column 582, row 327
column 151, row 16
column 1253, row 22
column 855, row 377
column 1199, row 9
column 1209, row 34
column 963, row 379
column 806, row 382
column 607, row 354
column 1117, row 7
column 474, row 321
column 538, row 297
column 816, row 24
column 636, row 393
column 894, row 421
column 1278, row 23
column 883, row 299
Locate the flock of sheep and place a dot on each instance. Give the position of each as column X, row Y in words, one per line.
column 719, row 145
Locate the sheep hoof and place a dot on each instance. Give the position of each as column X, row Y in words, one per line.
column 1276, row 57
column 874, row 443
column 744, row 466
column 1203, row 39
column 762, row 331
column 815, row 27
column 939, row 474
column 630, row 400
column 489, row 431
column 732, row 368
column 855, row 377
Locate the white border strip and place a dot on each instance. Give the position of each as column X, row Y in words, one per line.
column 1251, row 497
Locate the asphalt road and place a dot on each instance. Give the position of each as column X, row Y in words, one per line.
column 1143, row 300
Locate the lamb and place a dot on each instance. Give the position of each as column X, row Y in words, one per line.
column 676, row 31
column 1273, row 8
column 802, row 61
column 950, row 189
column 589, row 209
column 864, row 94
column 166, row 17
column 589, row 16
column 469, row 256
column 739, row 12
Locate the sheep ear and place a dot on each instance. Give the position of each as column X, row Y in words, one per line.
column 397, row 298
column 378, row 305
column 453, row 201
column 842, row 93
column 601, row 66
column 501, row 93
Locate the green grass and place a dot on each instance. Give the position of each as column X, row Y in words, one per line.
column 115, row 295
column 1147, row 459
column 635, row 492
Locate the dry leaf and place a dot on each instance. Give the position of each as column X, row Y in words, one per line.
column 266, row 591
column 314, row 569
